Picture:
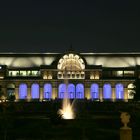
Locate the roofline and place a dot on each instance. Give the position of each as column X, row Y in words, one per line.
column 70, row 52
column 125, row 54
column 110, row 53
column 26, row 53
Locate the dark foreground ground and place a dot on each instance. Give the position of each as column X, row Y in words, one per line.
column 39, row 121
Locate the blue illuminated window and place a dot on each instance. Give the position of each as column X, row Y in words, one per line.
column 119, row 91
column 71, row 91
column 107, row 91
column 80, row 91
column 47, row 91
column 22, row 91
column 35, row 91
column 94, row 91
column 61, row 91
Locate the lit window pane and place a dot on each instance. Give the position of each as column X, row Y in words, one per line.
column 62, row 91
column 94, row 91
column 35, row 91
column 119, row 91
column 71, row 91
column 22, row 91
column 47, row 91
column 80, row 91
column 107, row 91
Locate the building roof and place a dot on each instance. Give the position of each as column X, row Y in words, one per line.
column 37, row 59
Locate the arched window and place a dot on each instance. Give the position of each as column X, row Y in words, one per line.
column 119, row 91
column 107, row 91
column 94, row 91
column 131, row 91
column 47, row 91
column 70, row 64
column 80, row 91
column 23, row 91
column 11, row 91
column 71, row 91
column 35, row 91
column 61, row 91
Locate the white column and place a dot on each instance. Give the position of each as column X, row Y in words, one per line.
column 101, row 94
column 41, row 94
column 125, row 94
column 17, row 93
column 113, row 94
column 87, row 93
column 29, row 93
column 54, row 93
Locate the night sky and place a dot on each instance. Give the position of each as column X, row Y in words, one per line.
column 52, row 26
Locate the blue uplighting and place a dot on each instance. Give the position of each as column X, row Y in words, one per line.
column 22, row 91
column 47, row 91
column 80, row 91
column 61, row 91
column 107, row 91
column 71, row 91
column 35, row 91
column 94, row 91
column 119, row 91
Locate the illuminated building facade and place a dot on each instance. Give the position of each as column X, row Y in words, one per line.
column 94, row 76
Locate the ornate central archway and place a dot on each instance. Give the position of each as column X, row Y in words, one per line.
column 72, row 66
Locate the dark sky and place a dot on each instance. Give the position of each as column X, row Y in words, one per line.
column 53, row 25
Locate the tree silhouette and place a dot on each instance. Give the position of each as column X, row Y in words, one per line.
column 137, row 89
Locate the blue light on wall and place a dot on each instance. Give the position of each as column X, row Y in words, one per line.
column 71, row 91
column 47, row 91
column 22, row 91
column 119, row 91
column 80, row 91
column 61, row 91
column 107, row 91
column 94, row 91
column 35, row 91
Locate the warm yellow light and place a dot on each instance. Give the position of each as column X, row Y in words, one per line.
column 71, row 60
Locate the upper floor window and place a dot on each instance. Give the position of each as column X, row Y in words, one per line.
column 95, row 75
column 24, row 73
column 129, row 73
column 119, row 73
column 47, row 75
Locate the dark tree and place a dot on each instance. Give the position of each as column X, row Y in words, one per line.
column 137, row 89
